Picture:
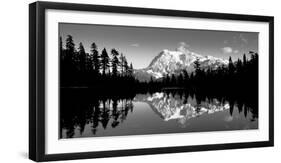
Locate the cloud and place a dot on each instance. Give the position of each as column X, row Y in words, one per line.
column 183, row 47
column 236, row 51
column 227, row 50
column 135, row 45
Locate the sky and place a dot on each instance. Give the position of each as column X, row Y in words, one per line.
column 141, row 44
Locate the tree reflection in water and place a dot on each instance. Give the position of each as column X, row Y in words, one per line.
column 78, row 110
column 81, row 107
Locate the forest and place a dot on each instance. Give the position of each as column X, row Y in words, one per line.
column 93, row 70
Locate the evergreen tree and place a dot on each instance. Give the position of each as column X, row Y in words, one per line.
column 244, row 60
column 114, row 62
column 70, row 52
column 254, row 57
column 231, row 67
column 82, row 57
column 104, row 61
column 89, row 62
column 126, row 67
column 180, row 80
column 167, row 80
column 96, row 62
column 122, row 63
column 173, row 80
column 185, row 78
column 70, row 47
column 131, row 70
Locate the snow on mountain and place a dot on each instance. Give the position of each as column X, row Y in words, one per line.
column 173, row 62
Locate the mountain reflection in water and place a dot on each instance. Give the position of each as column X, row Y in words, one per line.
column 169, row 107
column 157, row 113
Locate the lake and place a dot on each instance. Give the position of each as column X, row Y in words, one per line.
column 151, row 113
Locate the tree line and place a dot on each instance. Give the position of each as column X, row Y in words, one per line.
column 94, row 69
column 242, row 73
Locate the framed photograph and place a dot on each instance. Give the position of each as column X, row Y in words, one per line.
column 118, row 81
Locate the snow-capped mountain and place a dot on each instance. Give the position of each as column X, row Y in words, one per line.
column 173, row 62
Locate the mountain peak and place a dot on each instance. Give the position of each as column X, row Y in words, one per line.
column 173, row 62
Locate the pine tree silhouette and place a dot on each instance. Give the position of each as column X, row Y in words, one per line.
column 96, row 62
column 82, row 57
column 104, row 61
column 114, row 62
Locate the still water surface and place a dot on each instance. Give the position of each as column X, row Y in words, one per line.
column 156, row 113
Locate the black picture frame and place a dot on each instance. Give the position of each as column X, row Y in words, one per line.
column 37, row 80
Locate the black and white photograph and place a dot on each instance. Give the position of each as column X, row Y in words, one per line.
column 132, row 80
column 113, row 81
